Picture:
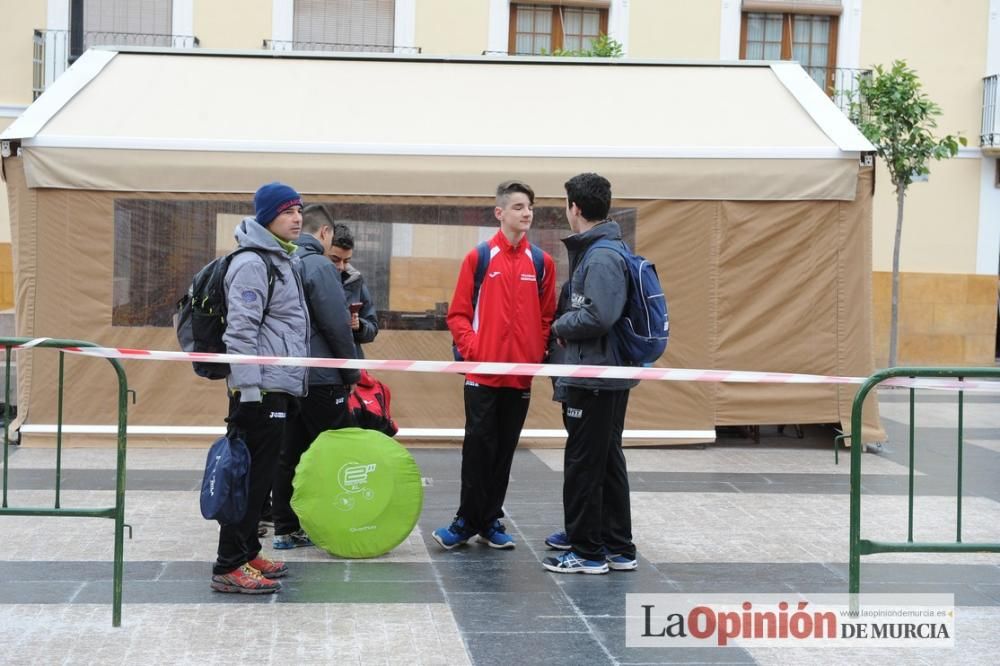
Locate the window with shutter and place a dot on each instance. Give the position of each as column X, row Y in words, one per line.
column 344, row 25
column 127, row 22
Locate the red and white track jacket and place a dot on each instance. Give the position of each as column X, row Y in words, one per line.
column 511, row 320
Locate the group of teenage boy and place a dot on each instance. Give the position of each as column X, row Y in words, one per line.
column 504, row 311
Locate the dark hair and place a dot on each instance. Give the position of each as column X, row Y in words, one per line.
column 508, row 187
column 315, row 217
column 591, row 193
column 342, row 236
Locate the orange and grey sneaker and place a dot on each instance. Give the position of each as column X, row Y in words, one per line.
column 268, row 568
column 244, row 580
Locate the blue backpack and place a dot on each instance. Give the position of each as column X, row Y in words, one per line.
column 482, row 261
column 644, row 327
column 226, row 485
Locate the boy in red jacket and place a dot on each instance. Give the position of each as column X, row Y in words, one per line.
column 507, row 322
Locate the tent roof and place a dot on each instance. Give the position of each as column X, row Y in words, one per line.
column 343, row 114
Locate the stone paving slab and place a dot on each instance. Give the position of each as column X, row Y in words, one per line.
column 159, row 459
column 944, row 414
column 976, row 643
column 268, row 632
column 688, row 527
column 735, row 517
column 165, row 526
column 991, row 444
column 800, row 528
column 745, row 459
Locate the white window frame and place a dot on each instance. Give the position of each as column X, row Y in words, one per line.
column 499, row 23
column 848, row 32
column 404, row 29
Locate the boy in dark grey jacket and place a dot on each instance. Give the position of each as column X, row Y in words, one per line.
column 260, row 395
column 364, row 322
column 325, row 407
column 596, row 503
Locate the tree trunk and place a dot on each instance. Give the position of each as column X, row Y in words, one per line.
column 894, row 317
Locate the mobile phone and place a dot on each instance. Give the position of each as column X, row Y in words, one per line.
column 355, row 307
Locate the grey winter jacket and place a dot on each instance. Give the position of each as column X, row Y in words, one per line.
column 356, row 292
column 284, row 331
column 598, row 293
column 328, row 314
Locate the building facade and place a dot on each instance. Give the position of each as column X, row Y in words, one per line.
column 950, row 254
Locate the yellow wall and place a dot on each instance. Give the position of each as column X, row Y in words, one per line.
column 947, row 315
column 943, row 319
column 674, row 29
column 232, row 24
column 18, row 20
column 452, row 27
column 944, row 41
column 940, row 219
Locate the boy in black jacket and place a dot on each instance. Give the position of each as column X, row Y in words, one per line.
column 325, row 407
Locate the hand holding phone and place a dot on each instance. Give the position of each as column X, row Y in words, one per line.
column 355, row 319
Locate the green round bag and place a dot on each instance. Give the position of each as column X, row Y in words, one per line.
column 357, row 493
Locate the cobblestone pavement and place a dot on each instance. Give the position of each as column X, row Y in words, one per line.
column 730, row 517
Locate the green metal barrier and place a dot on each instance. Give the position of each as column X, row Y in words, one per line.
column 861, row 546
column 117, row 512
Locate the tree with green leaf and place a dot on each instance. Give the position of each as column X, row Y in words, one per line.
column 602, row 47
column 894, row 113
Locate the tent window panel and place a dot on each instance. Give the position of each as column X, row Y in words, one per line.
column 408, row 253
column 809, row 39
column 363, row 25
column 537, row 29
column 127, row 22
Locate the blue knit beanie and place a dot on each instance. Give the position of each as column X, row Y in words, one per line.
column 273, row 198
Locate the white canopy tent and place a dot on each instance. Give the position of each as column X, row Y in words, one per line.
column 747, row 163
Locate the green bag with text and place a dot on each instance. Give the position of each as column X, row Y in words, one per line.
column 357, row 493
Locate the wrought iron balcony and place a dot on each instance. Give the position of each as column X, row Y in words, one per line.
column 989, row 136
column 55, row 50
column 843, row 88
column 290, row 45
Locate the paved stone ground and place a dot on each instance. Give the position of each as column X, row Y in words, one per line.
column 731, row 517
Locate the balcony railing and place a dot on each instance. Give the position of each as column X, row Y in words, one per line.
column 841, row 84
column 989, row 137
column 55, row 50
column 290, row 45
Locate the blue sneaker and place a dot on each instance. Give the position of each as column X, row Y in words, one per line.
column 621, row 562
column 496, row 536
column 559, row 541
column 453, row 535
column 297, row 539
column 570, row 562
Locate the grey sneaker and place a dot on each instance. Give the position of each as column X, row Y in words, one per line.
column 297, row 539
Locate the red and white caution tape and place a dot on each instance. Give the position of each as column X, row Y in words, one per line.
column 526, row 369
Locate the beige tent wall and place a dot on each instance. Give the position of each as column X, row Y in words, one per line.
column 780, row 286
column 795, row 292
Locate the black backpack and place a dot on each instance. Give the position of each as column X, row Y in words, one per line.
column 201, row 313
